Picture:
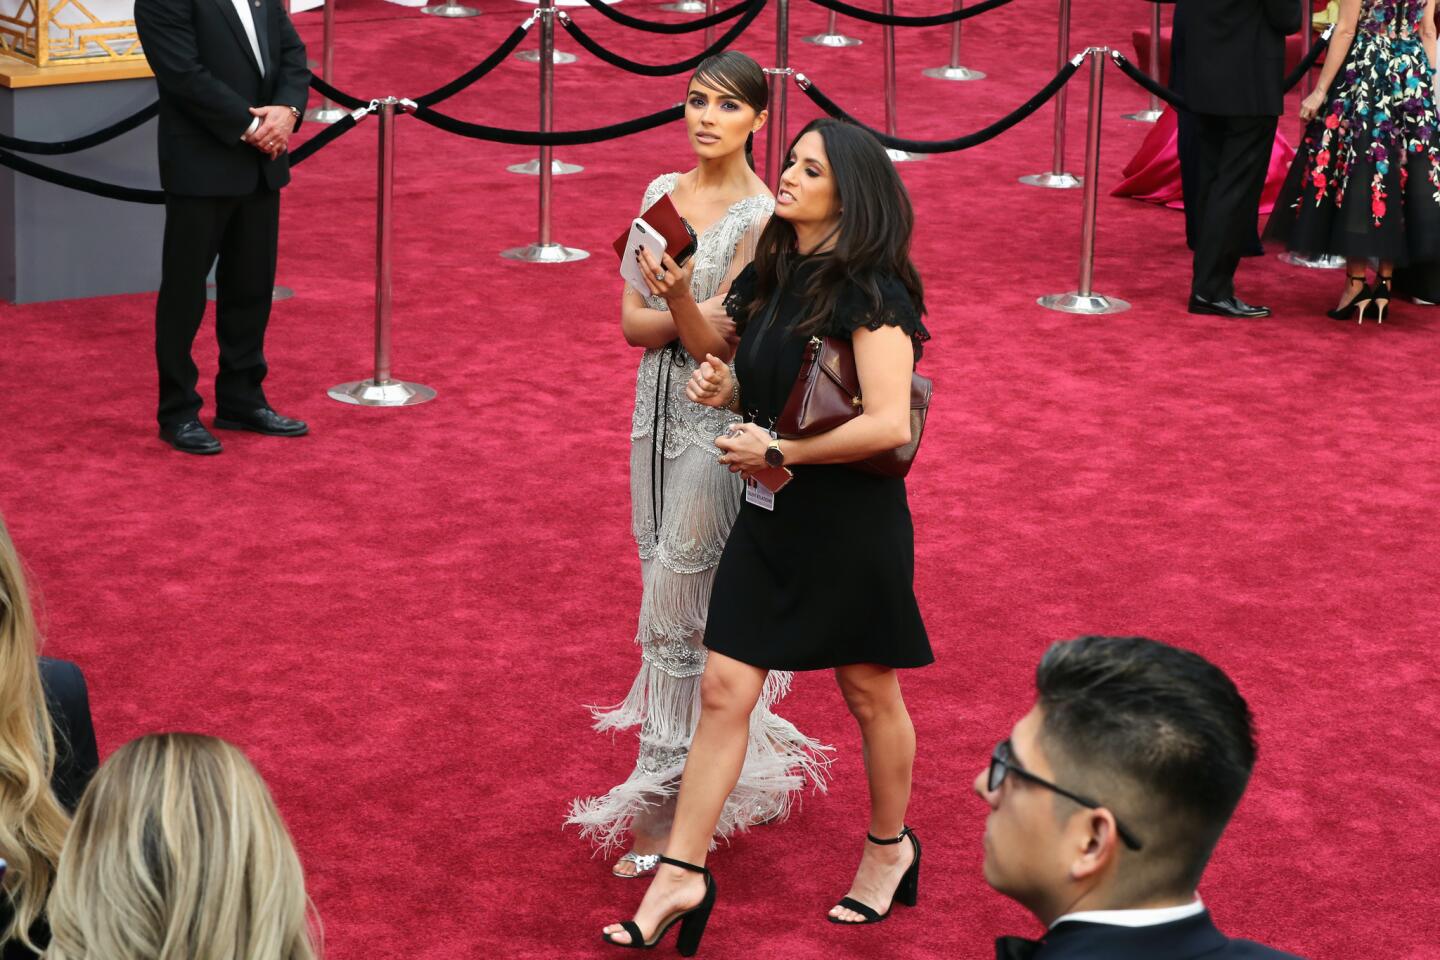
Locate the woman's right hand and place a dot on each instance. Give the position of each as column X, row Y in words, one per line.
column 711, row 384
column 713, row 310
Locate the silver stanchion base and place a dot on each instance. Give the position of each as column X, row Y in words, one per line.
column 449, row 9
column 684, row 6
column 531, row 168
column 387, row 393
column 1322, row 262
column 902, row 156
column 326, row 114
column 279, row 293
column 953, row 73
column 545, row 253
column 1074, row 302
column 1052, row 181
column 533, row 56
column 1144, row 116
column 832, row 40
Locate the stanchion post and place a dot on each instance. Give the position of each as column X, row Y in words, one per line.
column 546, row 58
column 381, row 390
column 448, row 8
column 1152, row 113
column 831, row 37
column 1085, row 299
column 545, row 250
column 684, row 6
column 775, row 133
column 891, row 121
column 709, row 31
column 954, row 71
column 327, row 112
column 1056, row 178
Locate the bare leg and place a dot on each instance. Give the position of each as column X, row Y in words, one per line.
column 1353, row 268
column 873, row 695
column 729, row 691
column 647, row 835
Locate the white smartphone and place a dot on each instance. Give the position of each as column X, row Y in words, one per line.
column 641, row 235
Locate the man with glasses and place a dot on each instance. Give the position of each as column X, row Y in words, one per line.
column 1108, row 798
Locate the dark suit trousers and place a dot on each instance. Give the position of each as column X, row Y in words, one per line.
column 243, row 232
column 1232, row 158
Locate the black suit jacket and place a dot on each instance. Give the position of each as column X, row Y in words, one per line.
column 1229, row 55
column 76, row 761
column 1189, row 939
column 208, row 80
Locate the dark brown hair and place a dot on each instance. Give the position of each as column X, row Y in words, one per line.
column 873, row 234
column 742, row 78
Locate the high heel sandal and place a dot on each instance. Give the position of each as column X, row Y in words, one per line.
column 692, row 921
column 907, row 892
column 645, row 864
column 1380, row 296
column 1359, row 302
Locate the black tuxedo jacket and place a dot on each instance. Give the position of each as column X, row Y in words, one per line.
column 1229, row 55
column 1193, row 938
column 208, row 81
column 76, row 761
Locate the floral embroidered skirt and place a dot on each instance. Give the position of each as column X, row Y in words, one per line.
column 1366, row 179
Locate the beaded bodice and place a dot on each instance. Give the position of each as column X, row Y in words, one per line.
column 664, row 373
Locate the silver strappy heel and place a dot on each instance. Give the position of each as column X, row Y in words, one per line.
column 645, row 863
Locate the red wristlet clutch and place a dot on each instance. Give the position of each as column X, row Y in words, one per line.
column 666, row 221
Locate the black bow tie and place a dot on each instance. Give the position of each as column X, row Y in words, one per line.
column 1015, row 948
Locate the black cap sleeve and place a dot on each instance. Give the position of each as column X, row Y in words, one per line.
column 742, row 292
column 855, row 308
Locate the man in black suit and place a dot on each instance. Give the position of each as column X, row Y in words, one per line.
column 1108, row 798
column 233, row 82
column 1229, row 65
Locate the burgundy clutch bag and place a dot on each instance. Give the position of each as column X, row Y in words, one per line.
column 680, row 239
column 827, row 393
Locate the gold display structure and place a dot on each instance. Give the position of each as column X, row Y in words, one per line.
column 47, row 33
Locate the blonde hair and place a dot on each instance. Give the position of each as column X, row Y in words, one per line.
column 178, row 853
column 32, row 821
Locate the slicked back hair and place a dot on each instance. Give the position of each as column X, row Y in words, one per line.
column 1162, row 733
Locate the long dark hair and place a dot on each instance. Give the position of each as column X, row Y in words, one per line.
column 874, row 229
column 742, row 78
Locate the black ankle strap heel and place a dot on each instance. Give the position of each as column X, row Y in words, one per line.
column 692, row 922
column 906, row 892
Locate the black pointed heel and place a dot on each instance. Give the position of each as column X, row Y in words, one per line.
column 1380, row 296
column 907, row 892
column 692, row 922
column 1358, row 303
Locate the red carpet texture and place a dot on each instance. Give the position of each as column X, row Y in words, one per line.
column 400, row 616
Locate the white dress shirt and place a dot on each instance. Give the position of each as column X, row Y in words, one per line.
column 1135, row 918
column 242, row 8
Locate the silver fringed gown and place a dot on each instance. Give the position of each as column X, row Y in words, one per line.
column 683, row 504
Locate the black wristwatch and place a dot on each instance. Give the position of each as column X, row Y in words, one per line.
column 774, row 456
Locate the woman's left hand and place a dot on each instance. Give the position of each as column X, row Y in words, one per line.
column 1311, row 106
column 666, row 279
column 743, row 448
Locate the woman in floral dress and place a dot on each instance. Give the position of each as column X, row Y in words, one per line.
column 1365, row 184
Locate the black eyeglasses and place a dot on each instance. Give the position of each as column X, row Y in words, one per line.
column 1003, row 761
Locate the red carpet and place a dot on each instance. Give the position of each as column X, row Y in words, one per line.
column 400, row 616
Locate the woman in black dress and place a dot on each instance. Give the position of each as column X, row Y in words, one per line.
column 822, row 577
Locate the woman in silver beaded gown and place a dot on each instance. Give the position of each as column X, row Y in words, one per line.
column 683, row 503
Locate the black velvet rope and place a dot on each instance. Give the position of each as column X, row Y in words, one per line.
column 650, row 26
column 60, row 178
column 338, row 96
column 476, row 72
column 668, row 69
column 958, row 143
column 324, row 138
column 85, row 142
column 557, row 138
column 1176, row 101
column 937, row 20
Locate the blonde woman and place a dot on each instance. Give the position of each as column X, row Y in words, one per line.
column 47, row 755
column 178, row 852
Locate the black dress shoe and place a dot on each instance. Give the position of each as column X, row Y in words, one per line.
column 1231, row 306
column 190, row 436
column 264, row 421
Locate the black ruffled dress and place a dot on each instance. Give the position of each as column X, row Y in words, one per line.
column 827, row 578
